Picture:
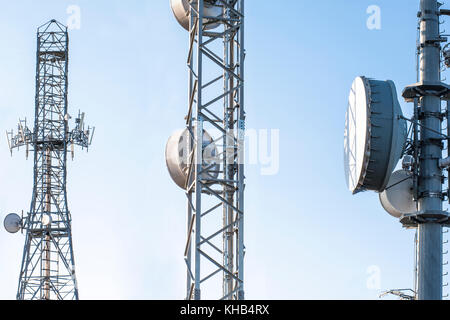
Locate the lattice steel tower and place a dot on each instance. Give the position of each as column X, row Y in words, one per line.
column 213, row 176
column 48, row 266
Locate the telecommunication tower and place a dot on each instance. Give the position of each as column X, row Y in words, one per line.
column 376, row 139
column 48, row 265
column 211, row 170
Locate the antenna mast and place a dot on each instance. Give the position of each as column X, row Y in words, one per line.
column 228, row 188
column 427, row 95
column 215, row 193
column 48, row 266
column 375, row 142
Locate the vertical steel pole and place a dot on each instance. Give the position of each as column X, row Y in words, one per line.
column 189, row 249
column 430, row 182
column 241, row 174
column 228, row 161
column 189, row 147
column 198, row 151
column 448, row 148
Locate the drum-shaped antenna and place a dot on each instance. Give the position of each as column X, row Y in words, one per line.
column 375, row 135
column 178, row 156
column 181, row 10
column 13, row 223
column 398, row 197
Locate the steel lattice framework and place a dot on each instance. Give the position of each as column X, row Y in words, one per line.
column 48, row 266
column 215, row 209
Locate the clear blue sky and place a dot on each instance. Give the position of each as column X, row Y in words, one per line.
column 306, row 237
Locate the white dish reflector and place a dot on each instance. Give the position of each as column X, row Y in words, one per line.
column 178, row 153
column 46, row 220
column 12, row 223
column 374, row 135
column 398, row 198
column 181, row 10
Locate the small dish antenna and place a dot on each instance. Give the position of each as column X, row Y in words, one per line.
column 179, row 156
column 375, row 135
column 13, row 223
column 181, row 10
column 398, row 197
column 46, row 220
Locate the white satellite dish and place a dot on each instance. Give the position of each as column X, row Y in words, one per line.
column 375, row 135
column 178, row 157
column 13, row 223
column 181, row 10
column 46, row 220
column 398, row 197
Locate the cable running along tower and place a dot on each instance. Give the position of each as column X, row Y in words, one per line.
column 48, row 266
column 210, row 167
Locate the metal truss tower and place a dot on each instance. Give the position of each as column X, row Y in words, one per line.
column 48, row 266
column 215, row 209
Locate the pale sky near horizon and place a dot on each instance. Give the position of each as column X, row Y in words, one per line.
column 307, row 237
